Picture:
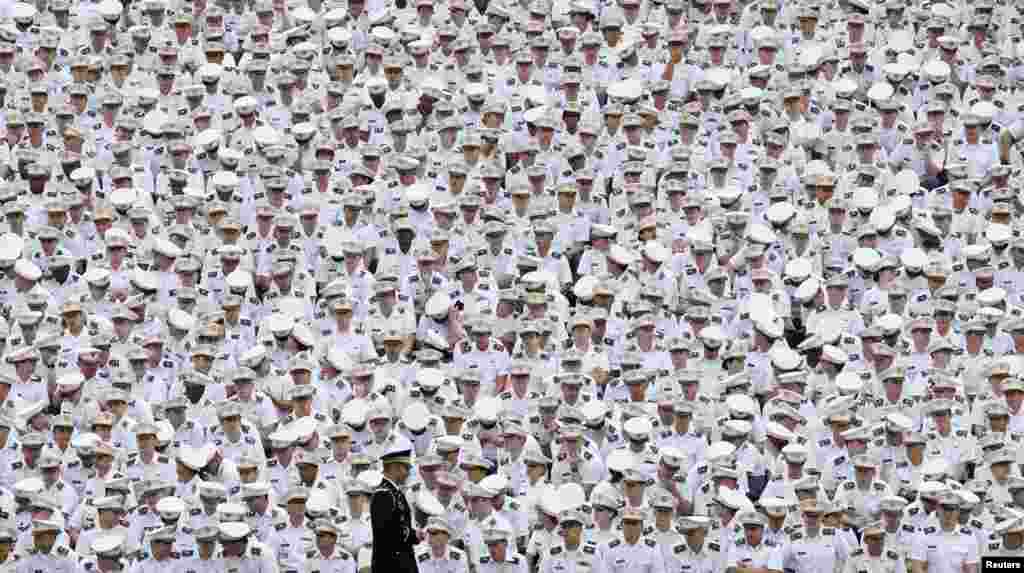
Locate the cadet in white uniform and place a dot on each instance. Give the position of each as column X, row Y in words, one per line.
column 946, row 547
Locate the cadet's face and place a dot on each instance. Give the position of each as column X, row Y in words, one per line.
column 573, row 534
column 118, row 408
column 232, row 426
column 1014, row 399
column 498, row 550
column 202, row 363
column 107, row 518
column 297, row 507
column 949, row 515
column 476, row 474
column 184, row 472
column 997, row 424
column 248, row 475
column 326, row 540
column 308, row 472
column 874, row 543
column 1018, row 497
column 103, row 461
column 244, row 391
column 25, row 368
column 379, row 427
column 631, row 529
column 230, row 548
column 49, row 245
column 30, row 454
column 258, row 504
column 438, row 539
column 206, row 548
column 1000, row 472
column 176, row 416
column 44, row 541
column 50, row 476
column 356, row 503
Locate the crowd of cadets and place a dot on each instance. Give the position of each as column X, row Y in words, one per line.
column 649, row 286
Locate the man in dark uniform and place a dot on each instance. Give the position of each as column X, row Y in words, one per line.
column 393, row 534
